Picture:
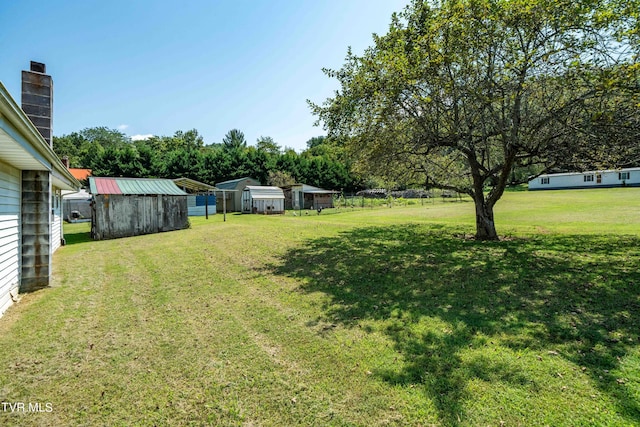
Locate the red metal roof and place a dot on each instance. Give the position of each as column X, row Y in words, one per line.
column 107, row 186
column 126, row 186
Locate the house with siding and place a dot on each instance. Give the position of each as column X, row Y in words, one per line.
column 31, row 182
column 629, row 177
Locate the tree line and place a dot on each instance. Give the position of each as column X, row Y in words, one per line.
column 109, row 152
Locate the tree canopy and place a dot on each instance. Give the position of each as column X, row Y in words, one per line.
column 184, row 154
column 234, row 140
column 459, row 94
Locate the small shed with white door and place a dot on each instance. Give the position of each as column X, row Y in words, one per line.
column 262, row 199
column 229, row 193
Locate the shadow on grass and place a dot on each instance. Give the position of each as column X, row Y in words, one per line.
column 574, row 294
column 77, row 237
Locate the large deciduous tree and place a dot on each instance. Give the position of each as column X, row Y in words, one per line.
column 461, row 92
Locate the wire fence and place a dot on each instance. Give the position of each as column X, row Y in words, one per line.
column 349, row 202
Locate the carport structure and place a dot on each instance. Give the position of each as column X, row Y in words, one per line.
column 200, row 187
column 198, row 190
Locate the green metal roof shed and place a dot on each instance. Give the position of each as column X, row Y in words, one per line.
column 139, row 186
column 124, row 207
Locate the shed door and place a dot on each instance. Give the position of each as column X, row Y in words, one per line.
column 9, row 234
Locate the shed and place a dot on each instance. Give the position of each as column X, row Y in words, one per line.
column 123, row 207
column 629, row 177
column 31, row 180
column 76, row 206
column 233, row 195
column 303, row 196
column 262, row 199
column 201, row 200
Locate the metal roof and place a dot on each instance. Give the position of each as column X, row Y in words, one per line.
column 229, row 185
column 140, row 186
column 193, row 185
column 79, row 195
column 309, row 189
column 264, row 192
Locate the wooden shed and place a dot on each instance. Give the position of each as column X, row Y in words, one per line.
column 31, row 180
column 123, row 207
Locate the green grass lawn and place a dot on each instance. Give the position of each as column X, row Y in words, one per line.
column 358, row 317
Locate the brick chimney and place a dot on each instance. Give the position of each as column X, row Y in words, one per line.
column 37, row 204
column 37, row 99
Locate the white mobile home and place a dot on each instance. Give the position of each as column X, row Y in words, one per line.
column 592, row 179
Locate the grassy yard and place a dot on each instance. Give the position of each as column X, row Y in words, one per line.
column 362, row 317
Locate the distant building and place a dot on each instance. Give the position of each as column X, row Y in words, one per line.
column 262, row 199
column 80, row 174
column 593, row 179
column 76, row 206
column 233, row 196
column 303, row 196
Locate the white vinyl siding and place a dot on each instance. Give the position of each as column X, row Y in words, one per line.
column 591, row 179
column 9, row 234
column 56, row 220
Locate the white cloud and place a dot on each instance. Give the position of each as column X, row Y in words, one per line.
column 141, row 137
column 123, row 127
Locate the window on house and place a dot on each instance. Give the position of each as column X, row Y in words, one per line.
column 544, row 180
column 588, row 178
column 623, row 175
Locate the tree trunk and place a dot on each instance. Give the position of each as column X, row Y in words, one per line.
column 485, row 227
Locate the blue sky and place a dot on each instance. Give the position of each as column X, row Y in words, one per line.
column 155, row 67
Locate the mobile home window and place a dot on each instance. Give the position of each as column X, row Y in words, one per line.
column 623, row 175
column 588, row 178
column 544, row 180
